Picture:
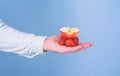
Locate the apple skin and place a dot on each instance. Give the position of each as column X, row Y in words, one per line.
column 73, row 35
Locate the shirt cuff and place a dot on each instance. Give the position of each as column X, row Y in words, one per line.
column 37, row 46
column 1, row 23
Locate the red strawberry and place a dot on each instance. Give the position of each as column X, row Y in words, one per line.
column 62, row 40
column 70, row 43
column 76, row 40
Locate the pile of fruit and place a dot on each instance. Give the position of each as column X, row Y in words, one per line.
column 69, row 36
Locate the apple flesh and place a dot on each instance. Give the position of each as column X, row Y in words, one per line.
column 69, row 36
column 69, row 32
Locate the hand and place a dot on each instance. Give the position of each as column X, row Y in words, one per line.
column 51, row 43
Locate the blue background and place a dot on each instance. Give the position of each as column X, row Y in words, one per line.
column 99, row 21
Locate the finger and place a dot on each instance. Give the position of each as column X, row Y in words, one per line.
column 77, row 48
column 87, row 44
column 64, row 49
column 73, row 49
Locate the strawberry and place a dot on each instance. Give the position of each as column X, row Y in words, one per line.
column 62, row 40
column 70, row 43
column 76, row 40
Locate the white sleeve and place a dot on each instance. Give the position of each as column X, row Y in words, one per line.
column 24, row 44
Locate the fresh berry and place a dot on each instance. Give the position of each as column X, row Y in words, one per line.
column 76, row 40
column 70, row 43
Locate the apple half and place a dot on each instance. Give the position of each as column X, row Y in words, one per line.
column 69, row 32
column 69, row 36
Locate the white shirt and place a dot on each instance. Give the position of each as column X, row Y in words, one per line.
column 24, row 44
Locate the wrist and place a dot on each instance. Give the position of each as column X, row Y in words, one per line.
column 45, row 45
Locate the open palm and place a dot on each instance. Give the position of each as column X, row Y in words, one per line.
column 52, row 44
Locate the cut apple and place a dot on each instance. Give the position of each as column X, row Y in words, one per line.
column 69, row 32
column 69, row 36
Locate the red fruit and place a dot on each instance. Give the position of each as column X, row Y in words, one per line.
column 69, row 32
column 76, row 40
column 62, row 40
column 70, row 43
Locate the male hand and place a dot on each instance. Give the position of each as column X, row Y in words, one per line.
column 52, row 44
